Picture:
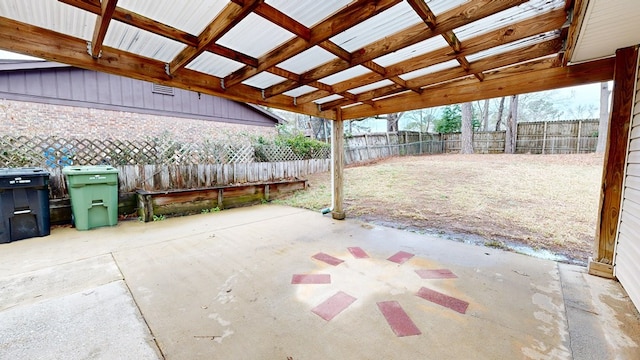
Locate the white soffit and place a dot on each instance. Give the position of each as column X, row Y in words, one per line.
column 308, row 12
column 384, row 24
column 255, row 36
column 307, row 60
column 608, row 25
column 191, row 16
column 215, row 65
column 52, row 15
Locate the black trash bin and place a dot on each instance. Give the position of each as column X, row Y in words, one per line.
column 24, row 203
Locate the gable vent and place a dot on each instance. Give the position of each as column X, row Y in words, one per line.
column 162, row 89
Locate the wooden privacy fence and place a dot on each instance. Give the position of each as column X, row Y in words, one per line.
column 557, row 137
column 167, row 177
column 542, row 137
column 369, row 147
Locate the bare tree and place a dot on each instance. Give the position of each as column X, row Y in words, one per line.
column 467, row 128
column 512, row 127
column 499, row 117
column 392, row 121
column 485, row 115
column 603, row 126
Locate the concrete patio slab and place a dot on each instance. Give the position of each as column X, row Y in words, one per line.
column 219, row 286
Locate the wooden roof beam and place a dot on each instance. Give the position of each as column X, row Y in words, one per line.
column 137, row 20
column 291, row 76
column 46, row 44
column 231, row 15
column 510, row 58
column 501, row 60
column 232, row 54
column 462, row 60
column 150, row 25
column 449, row 36
column 449, row 20
column 283, row 20
column 430, row 20
column 335, row 50
column 349, row 16
column 535, row 25
column 520, row 82
column 107, row 7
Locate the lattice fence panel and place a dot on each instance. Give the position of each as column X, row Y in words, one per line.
column 22, row 151
column 273, row 153
column 57, row 152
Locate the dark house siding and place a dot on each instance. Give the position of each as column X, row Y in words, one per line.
column 83, row 88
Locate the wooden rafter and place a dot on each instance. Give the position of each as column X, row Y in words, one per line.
column 232, row 54
column 510, row 58
column 533, row 26
column 454, row 18
column 103, row 19
column 46, row 44
column 579, row 9
column 506, row 66
column 450, row 37
column 520, row 81
column 356, row 12
column 231, row 15
column 144, row 23
column 137, row 20
column 284, row 21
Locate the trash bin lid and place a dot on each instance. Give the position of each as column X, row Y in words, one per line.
column 24, row 171
column 89, row 169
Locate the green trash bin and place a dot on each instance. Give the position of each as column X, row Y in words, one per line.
column 93, row 191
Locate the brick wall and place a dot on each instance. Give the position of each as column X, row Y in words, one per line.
column 19, row 118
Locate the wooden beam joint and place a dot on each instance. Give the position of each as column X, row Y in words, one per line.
column 107, row 8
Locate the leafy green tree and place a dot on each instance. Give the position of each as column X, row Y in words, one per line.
column 450, row 121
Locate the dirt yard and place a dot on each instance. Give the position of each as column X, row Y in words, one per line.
column 525, row 203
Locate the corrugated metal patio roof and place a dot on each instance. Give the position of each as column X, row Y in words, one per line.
column 306, row 56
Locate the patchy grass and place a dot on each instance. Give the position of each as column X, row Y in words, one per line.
column 542, row 201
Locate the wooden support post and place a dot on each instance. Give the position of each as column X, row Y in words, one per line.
column 337, row 166
column 266, row 192
column 626, row 66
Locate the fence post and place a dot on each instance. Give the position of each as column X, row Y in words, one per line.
column 389, row 144
column 366, row 145
column 544, row 137
column 420, row 141
column 579, row 134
